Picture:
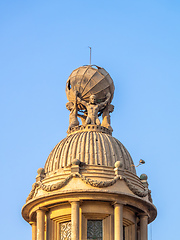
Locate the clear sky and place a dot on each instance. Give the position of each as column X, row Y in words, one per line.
column 41, row 43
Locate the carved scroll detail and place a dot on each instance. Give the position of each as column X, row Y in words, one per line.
column 91, row 182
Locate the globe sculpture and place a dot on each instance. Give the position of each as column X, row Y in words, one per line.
column 89, row 80
column 90, row 90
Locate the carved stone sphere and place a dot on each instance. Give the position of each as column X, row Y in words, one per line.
column 118, row 164
column 143, row 177
column 76, row 162
column 89, row 80
column 40, row 171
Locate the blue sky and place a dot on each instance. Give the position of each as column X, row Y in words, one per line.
column 41, row 43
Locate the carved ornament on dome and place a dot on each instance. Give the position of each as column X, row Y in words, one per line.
column 90, row 92
column 91, row 182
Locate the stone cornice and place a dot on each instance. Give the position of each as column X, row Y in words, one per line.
column 92, row 194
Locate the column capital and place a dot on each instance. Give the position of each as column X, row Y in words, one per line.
column 42, row 209
column 117, row 203
column 76, row 200
column 143, row 215
column 31, row 223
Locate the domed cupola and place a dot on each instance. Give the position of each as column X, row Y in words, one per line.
column 91, row 146
column 88, row 188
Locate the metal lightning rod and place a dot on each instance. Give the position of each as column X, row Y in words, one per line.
column 90, row 54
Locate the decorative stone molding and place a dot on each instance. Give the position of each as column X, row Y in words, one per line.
column 99, row 184
column 91, row 182
column 92, row 128
column 56, row 186
column 149, row 196
column 31, row 194
column 135, row 190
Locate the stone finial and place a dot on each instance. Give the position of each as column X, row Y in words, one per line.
column 75, row 166
column 41, row 174
column 143, row 176
column 76, row 162
column 40, row 171
column 118, row 168
column 143, row 179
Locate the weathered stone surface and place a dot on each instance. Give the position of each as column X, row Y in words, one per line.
column 91, row 148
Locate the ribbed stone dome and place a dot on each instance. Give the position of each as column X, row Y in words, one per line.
column 90, row 147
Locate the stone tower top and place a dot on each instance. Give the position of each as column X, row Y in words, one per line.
column 89, row 176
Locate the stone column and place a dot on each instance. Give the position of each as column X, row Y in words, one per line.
column 40, row 224
column 75, row 220
column 118, row 221
column 33, row 225
column 143, row 227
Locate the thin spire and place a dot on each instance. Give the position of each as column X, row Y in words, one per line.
column 90, row 55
